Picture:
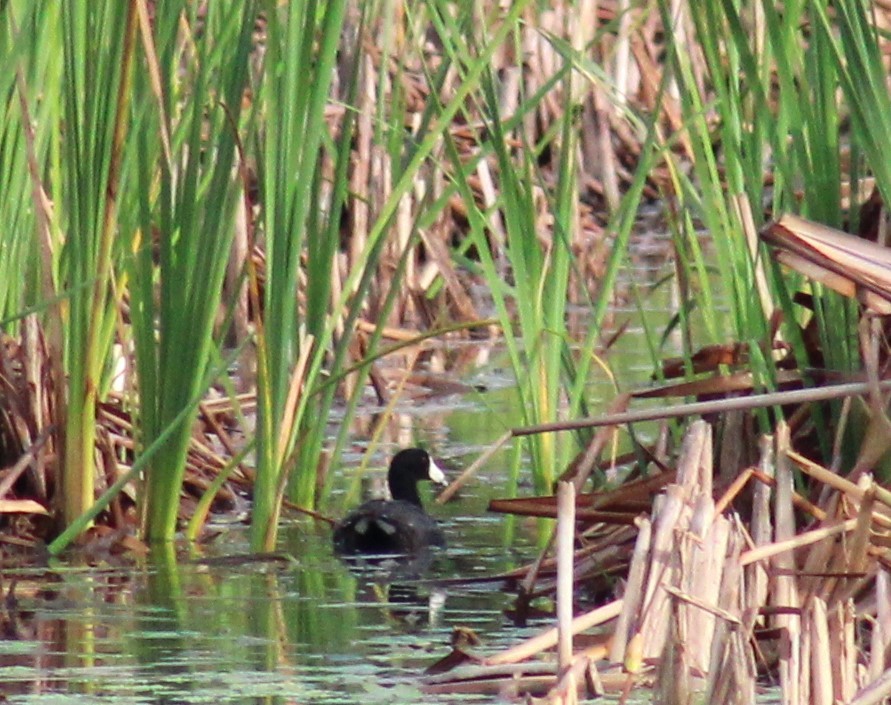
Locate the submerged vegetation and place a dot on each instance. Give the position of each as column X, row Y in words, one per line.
column 221, row 217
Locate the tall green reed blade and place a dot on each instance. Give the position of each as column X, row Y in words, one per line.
column 857, row 56
column 532, row 308
column 30, row 76
column 798, row 120
column 187, row 220
column 96, row 90
column 775, row 110
column 306, row 431
column 540, row 276
column 622, row 220
column 704, row 195
column 302, row 44
column 809, row 108
column 851, row 54
column 727, row 185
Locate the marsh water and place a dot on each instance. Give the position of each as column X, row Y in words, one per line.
column 301, row 629
column 215, row 626
column 188, row 633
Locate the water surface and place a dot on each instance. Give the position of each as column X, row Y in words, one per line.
column 308, row 630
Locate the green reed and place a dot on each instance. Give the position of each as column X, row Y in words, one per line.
column 144, row 143
column 298, row 221
column 529, row 280
column 801, row 98
column 95, row 107
column 186, row 200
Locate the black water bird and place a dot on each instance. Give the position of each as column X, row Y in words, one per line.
column 398, row 525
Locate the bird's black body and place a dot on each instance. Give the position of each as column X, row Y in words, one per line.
column 399, row 525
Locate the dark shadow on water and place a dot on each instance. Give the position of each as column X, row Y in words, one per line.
column 391, row 566
column 396, row 581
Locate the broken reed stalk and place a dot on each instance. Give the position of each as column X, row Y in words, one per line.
column 754, row 401
column 548, row 639
column 703, row 589
column 877, row 692
column 626, row 625
column 779, row 548
column 462, row 479
column 565, row 554
column 786, row 593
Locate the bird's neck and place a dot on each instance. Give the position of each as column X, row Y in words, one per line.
column 406, row 490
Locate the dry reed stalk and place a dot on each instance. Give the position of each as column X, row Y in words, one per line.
column 672, row 687
column 733, row 491
column 496, row 224
column 582, row 466
column 761, row 531
column 651, row 75
column 854, row 559
column 841, row 484
column 236, row 284
column 842, row 630
column 608, row 558
column 803, row 654
column 35, row 372
column 819, row 558
column 695, row 462
column 440, row 265
column 746, row 217
column 592, row 557
column 876, row 692
column 719, row 406
column 575, row 677
column 360, row 173
column 853, row 266
column 801, row 503
column 528, row 583
column 11, row 475
column 502, row 680
column 781, row 548
column 628, row 622
column 815, row 623
column 880, row 642
column 876, row 652
column 510, row 682
column 594, row 682
column 785, row 594
column 463, row 478
column 694, row 561
column 548, row 639
column 706, row 602
column 565, row 546
column 732, row 671
column 707, row 561
column 667, row 511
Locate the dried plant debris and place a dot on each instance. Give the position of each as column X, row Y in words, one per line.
column 710, row 606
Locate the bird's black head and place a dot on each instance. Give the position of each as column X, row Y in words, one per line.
column 409, row 467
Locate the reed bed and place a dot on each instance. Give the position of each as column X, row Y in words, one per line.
column 216, row 218
column 396, row 213
column 219, row 221
column 715, row 604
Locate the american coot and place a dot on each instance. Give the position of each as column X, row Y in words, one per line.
column 398, row 525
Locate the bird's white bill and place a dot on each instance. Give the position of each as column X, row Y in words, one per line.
column 436, row 474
